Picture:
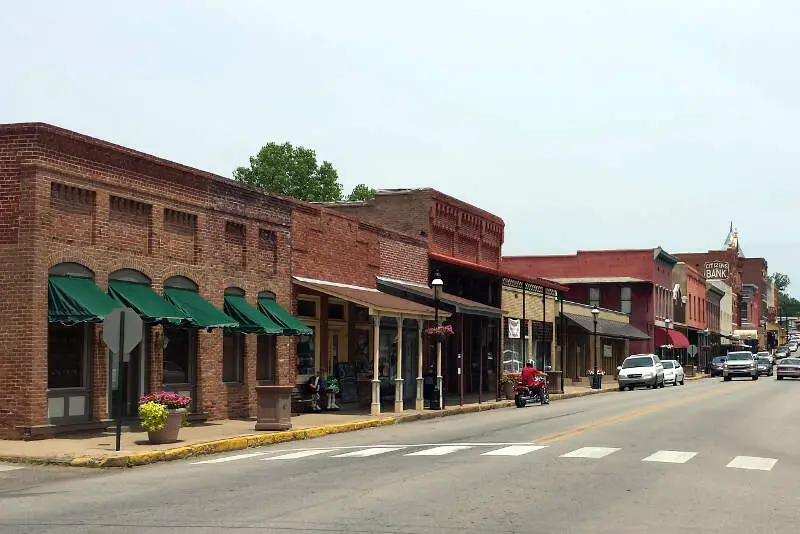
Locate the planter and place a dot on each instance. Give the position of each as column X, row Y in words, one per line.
column 508, row 389
column 274, row 407
column 597, row 381
column 169, row 434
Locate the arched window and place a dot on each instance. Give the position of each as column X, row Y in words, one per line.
column 266, row 295
column 130, row 275
column 75, row 270
column 233, row 348
column 181, row 282
column 234, row 291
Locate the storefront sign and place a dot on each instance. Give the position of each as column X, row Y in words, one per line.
column 717, row 270
column 513, row 329
column 608, row 351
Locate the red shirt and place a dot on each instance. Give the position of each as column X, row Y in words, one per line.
column 529, row 374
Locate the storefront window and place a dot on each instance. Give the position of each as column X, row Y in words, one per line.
column 306, row 353
column 265, row 359
column 66, row 356
column 233, row 357
column 177, row 355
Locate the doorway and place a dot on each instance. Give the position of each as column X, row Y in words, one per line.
column 130, row 381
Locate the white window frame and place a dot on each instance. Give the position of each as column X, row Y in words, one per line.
column 623, row 300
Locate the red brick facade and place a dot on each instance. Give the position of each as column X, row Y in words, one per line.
column 65, row 197
column 734, row 278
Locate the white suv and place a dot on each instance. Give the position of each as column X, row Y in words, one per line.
column 641, row 370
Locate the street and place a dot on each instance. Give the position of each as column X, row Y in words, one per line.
column 705, row 457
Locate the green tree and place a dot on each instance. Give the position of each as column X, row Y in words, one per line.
column 781, row 281
column 361, row 192
column 293, row 172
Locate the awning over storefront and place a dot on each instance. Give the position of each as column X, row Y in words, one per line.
column 291, row 326
column 377, row 302
column 251, row 321
column 72, row 301
column 746, row 334
column 607, row 328
column 150, row 306
column 405, row 289
column 676, row 338
column 201, row 312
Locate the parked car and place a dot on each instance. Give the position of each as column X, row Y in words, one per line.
column 717, row 364
column 788, row 367
column 641, row 370
column 764, row 366
column 740, row 363
column 673, row 372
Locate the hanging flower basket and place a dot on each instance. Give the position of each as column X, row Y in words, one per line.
column 590, row 372
column 440, row 333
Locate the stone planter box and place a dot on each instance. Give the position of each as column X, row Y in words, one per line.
column 274, row 407
column 168, row 434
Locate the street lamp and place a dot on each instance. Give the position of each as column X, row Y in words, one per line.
column 595, row 378
column 667, row 322
column 437, row 284
column 707, row 349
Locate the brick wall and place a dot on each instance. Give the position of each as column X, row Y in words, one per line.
column 592, row 263
column 107, row 208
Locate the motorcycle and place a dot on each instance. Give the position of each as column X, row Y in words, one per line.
column 524, row 396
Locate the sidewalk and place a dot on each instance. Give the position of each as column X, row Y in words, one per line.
column 227, row 435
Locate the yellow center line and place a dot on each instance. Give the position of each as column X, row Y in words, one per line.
column 557, row 436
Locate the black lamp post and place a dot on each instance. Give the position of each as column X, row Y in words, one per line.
column 595, row 378
column 667, row 322
column 437, row 284
column 707, row 349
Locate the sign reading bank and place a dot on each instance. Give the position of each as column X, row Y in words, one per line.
column 717, row 270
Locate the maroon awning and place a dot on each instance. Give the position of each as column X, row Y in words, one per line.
column 676, row 338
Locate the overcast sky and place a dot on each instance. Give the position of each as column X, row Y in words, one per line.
column 583, row 124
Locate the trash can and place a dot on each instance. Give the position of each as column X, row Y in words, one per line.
column 434, row 402
column 555, row 382
column 597, row 381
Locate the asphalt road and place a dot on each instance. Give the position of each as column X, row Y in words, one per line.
column 705, row 457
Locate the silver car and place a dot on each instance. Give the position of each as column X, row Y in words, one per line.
column 641, row 370
column 740, row 363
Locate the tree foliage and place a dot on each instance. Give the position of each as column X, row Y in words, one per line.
column 781, row 281
column 294, row 172
column 361, row 192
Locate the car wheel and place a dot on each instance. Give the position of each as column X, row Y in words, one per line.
column 662, row 383
column 755, row 377
column 622, row 388
column 726, row 378
column 780, row 377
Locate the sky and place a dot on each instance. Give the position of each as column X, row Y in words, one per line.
column 583, row 124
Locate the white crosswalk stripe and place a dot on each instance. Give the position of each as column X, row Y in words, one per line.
column 231, row 458
column 440, row 451
column 671, row 457
column 299, row 454
column 590, row 452
column 514, row 450
column 753, row 462
column 365, row 453
column 6, row 467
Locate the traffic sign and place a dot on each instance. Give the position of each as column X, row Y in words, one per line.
column 692, row 350
column 123, row 321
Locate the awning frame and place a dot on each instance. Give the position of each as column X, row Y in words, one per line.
column 416, row 294
column 573, row 318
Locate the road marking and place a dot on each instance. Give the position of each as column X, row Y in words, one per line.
column 514, row 450
column 364, row 453
column 752, row 462
column 5, row 467
column 551, row 438
column 230, row 458
column 590, row 452
column 299, row 454
column 670, row 457
column 439, row 451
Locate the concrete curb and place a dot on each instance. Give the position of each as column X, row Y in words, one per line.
column 697, row 377
column 257, row 440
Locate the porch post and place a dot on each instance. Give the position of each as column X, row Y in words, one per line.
column 375, row 409
column 420, row 382
column 398, row 380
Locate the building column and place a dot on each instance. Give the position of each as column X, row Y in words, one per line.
column 398, row 379
column 375, row 408
column 420, row 381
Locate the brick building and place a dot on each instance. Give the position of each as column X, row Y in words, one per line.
column 691, row 312
column 635, row 282
column 463, row 245
column 86, row 226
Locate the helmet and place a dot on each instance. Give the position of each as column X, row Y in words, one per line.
column 530, row 363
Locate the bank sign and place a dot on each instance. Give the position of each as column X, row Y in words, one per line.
column 717, row 270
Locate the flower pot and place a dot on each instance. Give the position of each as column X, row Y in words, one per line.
column 168, row 434
column 508, row 389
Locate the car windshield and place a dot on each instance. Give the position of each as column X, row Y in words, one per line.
column 790, row 361
column 739, row 356
column 641, row 361
column 718, row 359
column 763, row 354
column 763, row 360
column 668, row 365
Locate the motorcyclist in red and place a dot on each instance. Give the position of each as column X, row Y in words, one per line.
column 528, row 378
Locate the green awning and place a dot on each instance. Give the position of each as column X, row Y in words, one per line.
column 72, row 301
column 201, row 313
column 251, row 321
column 291, row 325
column 150, row 306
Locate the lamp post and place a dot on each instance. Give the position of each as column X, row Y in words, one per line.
column 437, row 284
column 667, row 322
column 595, row 378
column 707, row 349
